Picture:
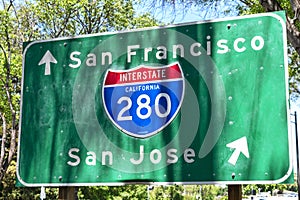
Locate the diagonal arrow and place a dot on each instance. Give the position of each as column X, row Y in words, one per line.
column 47, row 59
column 240, row 146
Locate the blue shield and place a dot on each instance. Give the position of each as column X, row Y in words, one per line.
column 144, row 100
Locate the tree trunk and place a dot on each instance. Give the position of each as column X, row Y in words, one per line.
column 67, row 193
column 234, row 192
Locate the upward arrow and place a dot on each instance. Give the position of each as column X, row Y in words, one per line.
column 240, row 146
column 47, row 59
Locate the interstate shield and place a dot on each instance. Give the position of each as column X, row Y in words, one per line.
column 144, row 100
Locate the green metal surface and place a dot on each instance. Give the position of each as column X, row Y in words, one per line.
column 231, row 126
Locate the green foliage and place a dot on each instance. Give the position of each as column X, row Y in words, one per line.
column 10, row 63
column 209, row 192
column 254, row 6
column 251, row 7
column 187, row 192
column 55, row 18
column 294, row 73
column 9, row 191
column 167, row 192
column 127, row 192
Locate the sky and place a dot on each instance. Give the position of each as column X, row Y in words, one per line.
column 185, row 13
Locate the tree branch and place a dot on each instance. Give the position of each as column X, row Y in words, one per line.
column 270, row 5
column 296, row 8
column 293, row 33
column 3, row 141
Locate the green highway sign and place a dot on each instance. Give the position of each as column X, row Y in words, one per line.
column 204, row 102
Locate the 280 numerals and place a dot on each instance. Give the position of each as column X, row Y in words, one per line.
column 143, row 102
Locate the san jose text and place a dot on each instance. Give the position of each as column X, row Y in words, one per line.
column 107, row 157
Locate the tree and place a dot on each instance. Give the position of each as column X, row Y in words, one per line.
column 167, row 192
column 10, row 79
column 43, row 19
column 209, row 192
column 53, row 18
column 8, row 191
column 218, row 8
column 105, row 192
